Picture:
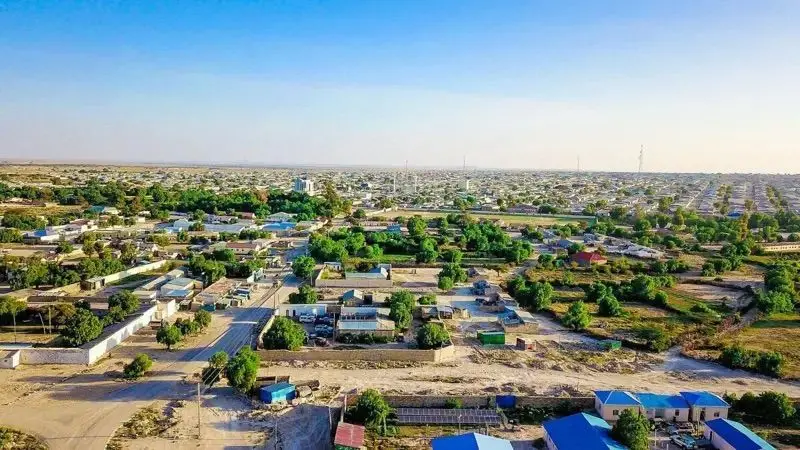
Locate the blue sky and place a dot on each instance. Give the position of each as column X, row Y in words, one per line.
column 704, row 85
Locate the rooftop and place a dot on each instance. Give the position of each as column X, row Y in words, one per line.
column 581, row 432
column 349, row 435
column 703, row 398
column 738, row 435
column 470, row 441
column 622, row 398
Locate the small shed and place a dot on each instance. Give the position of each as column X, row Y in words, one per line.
column 277, row 393
column 349, row 437
column 525, row 344
column 492, row 337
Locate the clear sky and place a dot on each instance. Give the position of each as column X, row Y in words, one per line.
column 705, row 85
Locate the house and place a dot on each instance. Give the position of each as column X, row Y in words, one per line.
column 279, row 217
column 726, row 434
column 245, row 248
column 247, row 215
column 104, row 210
column 579, row 432
column 355, row 297
column 670, row 408
column 178, row 284
column 610, row 404
column 564, row 244
column 470, row 441
column 588, row 259
column 375, row 326
column 349, row 437
column 705, row 406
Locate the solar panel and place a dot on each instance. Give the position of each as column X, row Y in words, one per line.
column 447, row 416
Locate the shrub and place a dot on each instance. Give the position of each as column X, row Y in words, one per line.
column 767, row 363
column 445, row 283
column 284, row 334
column 657, row 339
column 577, row 316
column 432, row 335
column 370, row 409
column 203, row 318
column 366, row 339
column 242, row 370
column 453, row 403
column 138, row 367
column 609, row 306
column 306, row 295
column 427, row 299
column 169, row 335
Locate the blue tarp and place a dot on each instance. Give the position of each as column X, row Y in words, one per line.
column 506, row 401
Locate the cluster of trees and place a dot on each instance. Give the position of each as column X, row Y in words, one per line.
column 632, row 430
column 536, row 296
column 33, row 272
column 241, row 370
column 284, row 334
column 451, row 274
column 731, row 258
column 305, row 295
column 81, row 327
column 401, row 306
column 120, row 305
column 669, row 266
column 303, row 266
column 646, row 289
column 371, row 409
column 172, row 334
column 779, row 294
column 603, row 295
column 766, row 408
column 432, row 335
column 767, row 363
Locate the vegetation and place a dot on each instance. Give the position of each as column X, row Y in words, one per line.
column 366, row 338
column 284, row 334
column 81, row 327
column 12, row 307
column 767, row 363
column 401, row 305
column 138, row 367
column 203, row 318
column 577, row 316
column 303, row 266
column 766, row 408
column 125, row 301
column 169, row 335
column 432, row 335
column 370, row 409
column 305, row 295
column 632, row 430
column 427, row 299
column 242, row 370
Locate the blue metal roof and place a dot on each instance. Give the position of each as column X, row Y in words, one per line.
column 621, row 398
column 470, row 441
column 581, row 432
column 661, row 400
column 278, row 387
column 703, row 398
column 738, row 435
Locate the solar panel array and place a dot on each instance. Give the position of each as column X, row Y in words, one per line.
column 410, row 416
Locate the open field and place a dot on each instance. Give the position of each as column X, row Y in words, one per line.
column 778, row 332
column 685, row 295
column 510, row 219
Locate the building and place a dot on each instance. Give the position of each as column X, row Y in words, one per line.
column 303, row 185
column 279, row 217
column 705, row 406
column 588, row 259
column 349, row 437
column 354, row 297
column 579, row 432
column 470, row 441
column 245, row 248
column 781, row 247
column 610, row 404
column 670, row 408
column 104, row 210
column 365, row 320
column 726, row 434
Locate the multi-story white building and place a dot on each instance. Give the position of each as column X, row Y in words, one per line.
column 303, row 185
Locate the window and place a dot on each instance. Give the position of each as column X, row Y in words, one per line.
column 716, row 414
column 615, row 412
column 677, row 412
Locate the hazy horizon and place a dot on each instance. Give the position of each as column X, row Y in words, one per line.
column 705, row 86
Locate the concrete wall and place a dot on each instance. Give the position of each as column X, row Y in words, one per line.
column 97, row 282
column 383, row 354
column 696, row 412
column 716, row 440
column 607, row 411
column 10, row 360
column 353, row 284
column 90, row 352
column 669, row 414
column 479, row 401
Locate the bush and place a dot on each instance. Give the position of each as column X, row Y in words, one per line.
column 138, row 367
column 242, row 370
column 370, row 409
column 432, row 335
column 632, row 430
column 768, row 408
column 203, row 318
column 366, row 339
column 577, row 316
column 453, row 403
column 81, row 327
column 657, row 339
column 169, row 335
column 609, row 306
column 701, row 308
column 766, row 363
column 445, row 283
column 427, row 299
column 306, row 295
column 284, row 334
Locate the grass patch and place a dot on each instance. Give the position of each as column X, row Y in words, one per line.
column 11, row 439
column 777, row 332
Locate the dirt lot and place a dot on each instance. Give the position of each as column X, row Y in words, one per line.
column 715, row 295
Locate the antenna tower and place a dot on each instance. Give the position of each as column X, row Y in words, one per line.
column 641, row 158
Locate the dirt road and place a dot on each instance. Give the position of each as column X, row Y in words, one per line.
column 84, row 411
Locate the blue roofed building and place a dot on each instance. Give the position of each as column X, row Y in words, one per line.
column 726, row 434
column 667, row 407
column 705, row 406
column 579, row 432
column 610, row 404
column 470, row 441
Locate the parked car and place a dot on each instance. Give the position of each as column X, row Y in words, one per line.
column 307, row 319
column 683, row 441
column 321, row 342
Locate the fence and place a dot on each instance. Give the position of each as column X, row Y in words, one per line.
column 482, row 401
column 383, row 354
column 101, row 281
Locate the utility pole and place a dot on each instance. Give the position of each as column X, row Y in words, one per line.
column 641, row 158
column 199, row 431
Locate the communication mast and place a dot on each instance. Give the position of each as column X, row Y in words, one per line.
column 641, row 158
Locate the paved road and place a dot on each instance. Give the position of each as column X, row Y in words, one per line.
column 84, row 412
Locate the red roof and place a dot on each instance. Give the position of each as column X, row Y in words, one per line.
column 349, row 435
column 588, row 257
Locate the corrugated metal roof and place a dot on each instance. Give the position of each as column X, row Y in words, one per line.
column 349, row 435
column 621, row 398
column 703, row 398
column 737, row 435
column 365, row 325
column 662, row 400
column 581, row 432
column 470, row 441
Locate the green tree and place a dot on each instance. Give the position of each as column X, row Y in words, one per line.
column 126, row 300
column 359, row 214
column 577, row 316
column 775, row 408
column 242, row 370
column 401, row 304
column 81, row 328
column 64, row 247
column 169, row 335
column 12, row 307
column 427, row 299
column 536, row 296
column 416, row 226
column 454, row 272
column 306, row 295
column 453, row 256
column 203, row 318
column 632, row 430
column 445, row 283
column 608, row 306
column 138, row 367
column 218, row 360
column 285, row 334
column 432, row 335
column 371, row 409
column 303, row 266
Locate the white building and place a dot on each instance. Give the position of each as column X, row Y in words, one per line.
column 303, row 185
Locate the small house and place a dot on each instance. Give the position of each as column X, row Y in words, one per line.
column 705, row 406
column 669, row 408
column 470, row 441
column 277, row 393
column 727, row 434
column 579, row 432
column 610, row 404
column 355, row 297
column 588, row 259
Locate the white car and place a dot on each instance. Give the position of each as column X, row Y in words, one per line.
column 308, row 319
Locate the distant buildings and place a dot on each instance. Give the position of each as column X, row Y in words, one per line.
column 303, row 185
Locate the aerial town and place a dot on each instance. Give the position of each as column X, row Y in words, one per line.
column 198, row 306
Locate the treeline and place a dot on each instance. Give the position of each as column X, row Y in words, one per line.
column 32, row 272
column 765, row 363
column 213, row 266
